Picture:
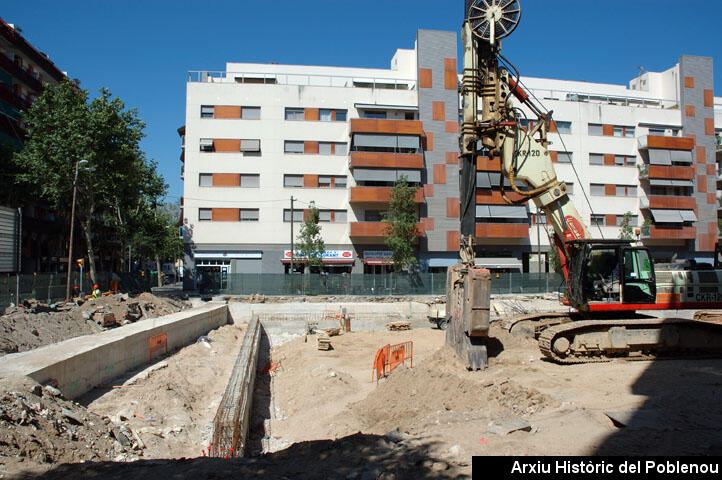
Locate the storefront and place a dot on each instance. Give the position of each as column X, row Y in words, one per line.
column 334, row 261
column 378, row 261
column 213, row 269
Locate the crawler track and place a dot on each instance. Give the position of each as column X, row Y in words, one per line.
column 593, row 341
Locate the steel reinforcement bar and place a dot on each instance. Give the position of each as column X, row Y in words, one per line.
column 230, row 426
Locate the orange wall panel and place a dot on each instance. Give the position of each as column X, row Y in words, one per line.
column 677, row 173
column 226, row 180
column 689, row 110
column 450, row 77
column 452, row 127
column 701, row 154
column 452, row 241
column 377, row 125
column 386, row 160
column 310, row 113
column 225, row 215
column 440, row 174
column 493, row 197
column 702, row 183
column 226, row 145
column 670, row 143
column 378, row 195
column 670, row 201
column 554, row 156
column 689, row 82
column 452, row 158
column 610, row 190
column 310, row 181
column 429, row 141
column 609, row 159
column 425, row 78
column 610, row 220
column 226, row 111
column 502, row 230
column 488, row 164
column 310, row 147
column 672, row 233
column 438, row 110
column 708, row 98
column 608, row 130
column 428, row 190
column 452, row 207
column 709, row 126
column 428, row 223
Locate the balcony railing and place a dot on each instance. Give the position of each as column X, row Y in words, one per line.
column 207, row 76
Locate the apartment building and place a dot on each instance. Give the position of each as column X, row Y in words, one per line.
column 257, row 135
column 23, row 71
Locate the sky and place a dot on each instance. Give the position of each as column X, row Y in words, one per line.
column 142, row 50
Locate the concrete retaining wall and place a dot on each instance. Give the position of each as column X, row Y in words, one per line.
column 83, row 363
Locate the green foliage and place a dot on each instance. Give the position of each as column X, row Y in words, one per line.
column 117, row 200
column 310, row 244
column 627, row 232
column 555, row 263
column 155, row 232
column 400, row 227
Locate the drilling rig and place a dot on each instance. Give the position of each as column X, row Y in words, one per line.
column 607, row 281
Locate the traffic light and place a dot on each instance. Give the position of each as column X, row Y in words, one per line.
column 80, row 262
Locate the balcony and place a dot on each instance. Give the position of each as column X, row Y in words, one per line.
column 493, row 197
column 653, row 232
column 386, row 160
column 378, row 195
column 489, row 164
column 399, row 127
column 374, row 231
column 665, row 143
column 502, row 230
column 665, row 172
column 671, row 202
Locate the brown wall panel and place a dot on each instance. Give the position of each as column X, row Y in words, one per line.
column 609, row 159
column 452, row 207
column 702, row 183
column 425, row 78
column 450, row 75
column 502, row 230
column 701, row 154
column 310, row 181
column 452, row 127
column 428, row 190
column 428, row 141
column 378, row 195
column 488, row 164
column 226, row 180
column 438, row 111
column 440, row 174
column 428, row 223
column 610, row 220
column 670, row 143
column 709, row 126
column 310, row 113
column 452, row 158
column 227, row 145
column 610, row 190
column 608, row 130
column 493, row 197
column 226, row 111
column 689, row 82
column 689, row 110
column 708, row 98
column 388, row 160
column 671, row 233
column 674, row 202
column 452, row 241
column 711, row 169
column 554, row 156
column 225, row 215
column 678, row 173
column 374, row 125
column 552, row 126
column 310, row 147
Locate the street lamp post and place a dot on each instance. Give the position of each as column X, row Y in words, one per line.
column 72, row 224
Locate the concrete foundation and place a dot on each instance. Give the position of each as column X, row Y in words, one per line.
column 83, row 363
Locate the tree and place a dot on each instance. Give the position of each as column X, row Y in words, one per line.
column 626, row 232
column 311, row 245
column 400, row 229
column 63, row 129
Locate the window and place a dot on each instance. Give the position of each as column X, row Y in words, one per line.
column 205, row 179
column 564, row 157
column 248, row 215
column 373, row 114
column 626, row 190
column 372, row 216
column 570, row 188
column 596, row 188
column 340, row 148
column 250, row 180
column 294, row 114
column 540, row 219
column 292, row 146
column 340, row 115
column 324, row 115
column 295, row 181
column 324, row 216
column 206, row 144
column 251, row 113
column 595, row 129
column 597, row 220
column 564, row 127
column 324, row 148
column 297, row 215
column 324, row 181
column 339, row 216
column 596, row 159
column 250, row 145
column 340, row 181
column 207, row 111
column 656, row 131
column 618, row 131
column 628, row 132
column 633, row 220
column 625, row 161
column 205, row 214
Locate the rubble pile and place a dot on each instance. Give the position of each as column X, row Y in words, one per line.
column 39, row 428
column 34, row 324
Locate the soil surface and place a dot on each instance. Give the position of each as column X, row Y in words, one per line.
column 32, row 325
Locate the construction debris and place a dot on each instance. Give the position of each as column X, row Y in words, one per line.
column 395, row 326
column 712, row 316
column 323, row 341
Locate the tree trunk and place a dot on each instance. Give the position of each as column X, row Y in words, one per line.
column 89, row 242
column 157, row 266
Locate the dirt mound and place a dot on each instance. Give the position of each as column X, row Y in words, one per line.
column 38, row 428
column 438, row 390
column 34, row 324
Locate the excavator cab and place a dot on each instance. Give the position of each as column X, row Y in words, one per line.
column 610, row 273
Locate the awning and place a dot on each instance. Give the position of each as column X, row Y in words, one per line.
column 371, row 106
column 667, row 216
column 385, row 175
column 325, row 261
column 442, row 262
column 688, row 215
column 500, row 211
column 499, row 262
column 683, row 156
column 659, row 157
column 670, row 183
column 378, row 261
column 224, row 255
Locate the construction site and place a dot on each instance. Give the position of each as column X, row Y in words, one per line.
column 295, row 389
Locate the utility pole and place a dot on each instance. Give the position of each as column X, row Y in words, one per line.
column 538, row 241
column 291, row 269
column 72, row 224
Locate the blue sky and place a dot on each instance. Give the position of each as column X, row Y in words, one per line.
column 141, row 51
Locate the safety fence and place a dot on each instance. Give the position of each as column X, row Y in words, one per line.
column 50, row 287
column 389, row 357
column 367, row 284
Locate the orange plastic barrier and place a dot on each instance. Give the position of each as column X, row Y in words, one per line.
column 389, row 357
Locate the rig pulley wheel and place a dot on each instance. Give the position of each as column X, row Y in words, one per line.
column 493, row 20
